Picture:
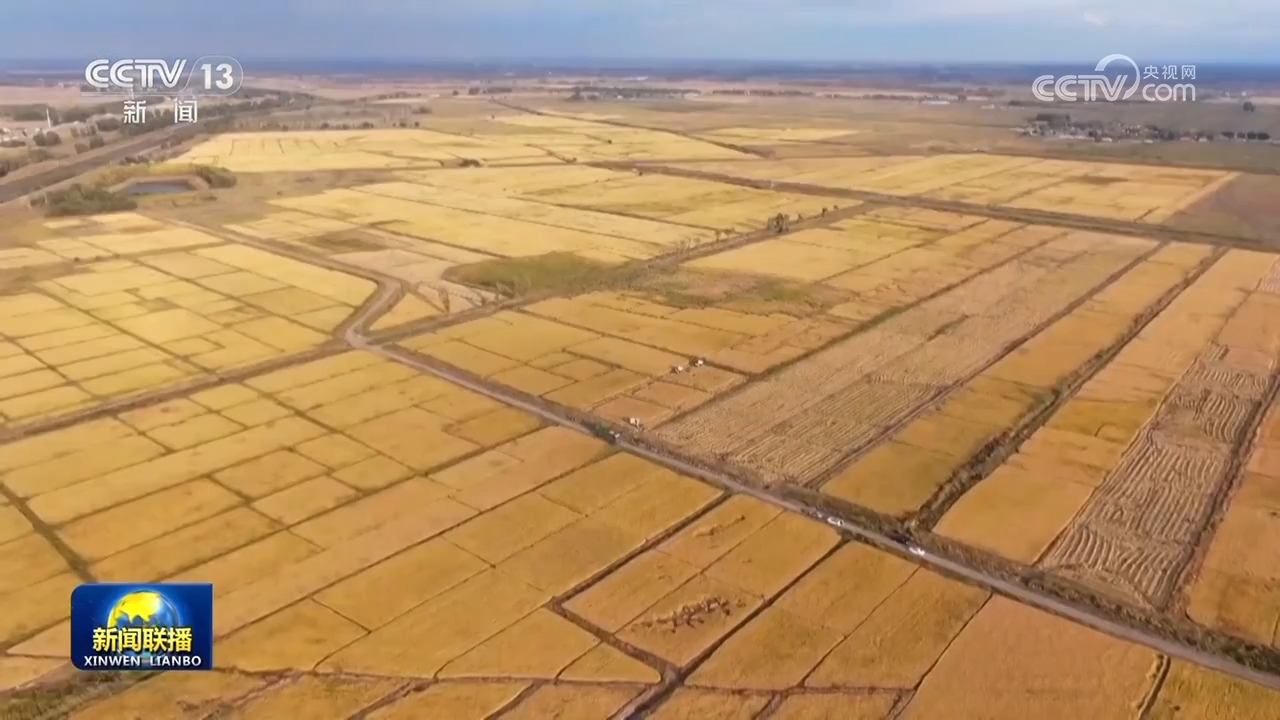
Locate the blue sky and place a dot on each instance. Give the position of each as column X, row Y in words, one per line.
column 829, row 30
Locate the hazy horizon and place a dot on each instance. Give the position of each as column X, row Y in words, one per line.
column 859, row 31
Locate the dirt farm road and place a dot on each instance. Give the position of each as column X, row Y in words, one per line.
column 1048, row 603
column 994, row 212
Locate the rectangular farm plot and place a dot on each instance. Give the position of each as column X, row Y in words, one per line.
column 123, row 327
column 651, row 232
column 1193, row 692
column 803, row 420
column 860, row 618
column 685, row 201
column 291, row 227
column 1012, row 661
column 899, row 477
column 37, row 578
column 1237, row 586
column 312, row 151
column 498, row 224
column 920, row 272
column 349, row 500
column 538, row 548
column 740, row 341
column 575, row 367
column 817, row 254
column 518, row 181
column 1169, row 409
column 701, row 583
column 166, row 446
column 121, row 234
column 1111, row 190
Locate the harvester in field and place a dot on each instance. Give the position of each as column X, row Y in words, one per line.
column 604, row 432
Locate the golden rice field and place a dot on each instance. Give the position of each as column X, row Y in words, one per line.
column 387, row 544
column 1116, row 191
column 803, row 421
column 130, row 304
column 1239, row 581
column 584, row 368
column 1114, row 487
column 956, row 331
column 683, row 201
column 547, row 140
column 1156, row 428
column 435, row 219
column 495, row 225
column 881, row 262
column 613, row 352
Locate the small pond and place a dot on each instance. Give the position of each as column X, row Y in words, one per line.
column 157, row 187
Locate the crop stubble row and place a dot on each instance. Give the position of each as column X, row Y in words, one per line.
column 902, row 474
column 1140, row 450
column 1237, row 586
column 1143, row 520
column 803, row 420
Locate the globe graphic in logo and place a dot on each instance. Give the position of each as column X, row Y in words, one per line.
column 143, row 609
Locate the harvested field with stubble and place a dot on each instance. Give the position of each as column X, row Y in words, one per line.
column 899, row 477
column 1237, row 586
column 442, row 555
column 1144, row 193
column 1143, row 452
column 546, row 140
column 1092, row 415
column 804, row 420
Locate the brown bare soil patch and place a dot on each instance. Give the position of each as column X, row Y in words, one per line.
column 1245, row 207
column 743, row 293
column 512, row 277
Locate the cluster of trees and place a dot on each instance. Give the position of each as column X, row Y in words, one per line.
column 1098, row 129
column 759, row 91
column 489, row 90
column 47, row 139
column 36, row 113
column 92, row 143
column 398, row 95
column 366, row 125
column 216, row 177
column 81, row 200
column 1249, row 135
column 1052, row 118
column 595, row 92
